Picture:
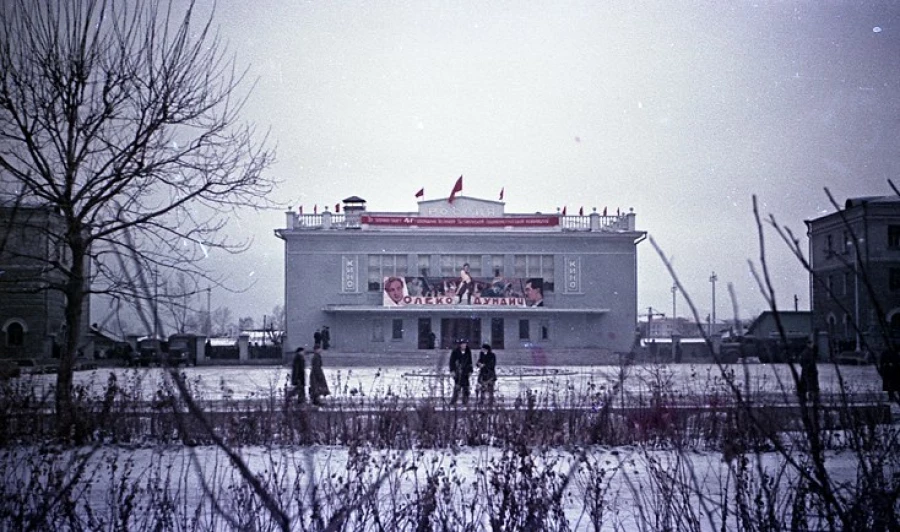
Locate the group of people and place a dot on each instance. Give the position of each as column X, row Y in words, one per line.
column 322, row 337
column 318, row 385
column 461, row 368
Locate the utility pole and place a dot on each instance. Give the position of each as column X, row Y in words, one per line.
column 712, row 279
column 674, row 292
column 156, row 303
column 650, row 315
column 208, row 311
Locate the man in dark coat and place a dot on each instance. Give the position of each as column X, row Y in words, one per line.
column 487, row 374
column 808, row 386
column 298, row 375
column 890, row 373
column 317, row 338
column 326, row 337
column 461, row 369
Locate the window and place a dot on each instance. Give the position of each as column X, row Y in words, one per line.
column 535, row 266
column 545, row 330
column 397, row 329
column 15, row 334
column 452, row 264
column 497, row 265
column 524, row 330
column 894, row 236
column 424, row 265
column 381, row 266
column 829, row 246
column 894, row 279
column 377, row 331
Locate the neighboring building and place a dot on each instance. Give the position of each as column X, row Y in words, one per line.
column 391, row 282
column 771, row 337
column 663, row 327
column 792, row 323
column 854, row 256
column 32, row 321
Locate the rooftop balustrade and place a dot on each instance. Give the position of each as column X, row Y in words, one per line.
column 593, row 222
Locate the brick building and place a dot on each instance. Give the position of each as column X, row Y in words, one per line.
column 32, row 321
column 854, row 255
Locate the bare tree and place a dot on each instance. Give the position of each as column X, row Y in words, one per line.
column 123, row 118
column 222, row 320
column 245, row 323
column 182, row 301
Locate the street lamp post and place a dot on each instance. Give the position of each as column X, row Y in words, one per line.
column 858, row 326
column 155, row 304
column 674, row 291
column 712, row 279
column 208, row 324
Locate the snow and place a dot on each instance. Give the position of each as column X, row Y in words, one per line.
column 627, row 488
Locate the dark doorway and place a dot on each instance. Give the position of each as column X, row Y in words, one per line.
column 453, row 329
column 497, row 333
column 426, row 334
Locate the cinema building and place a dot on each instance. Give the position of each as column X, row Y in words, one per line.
column 408, row 283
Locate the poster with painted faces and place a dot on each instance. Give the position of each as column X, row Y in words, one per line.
column 436, row 291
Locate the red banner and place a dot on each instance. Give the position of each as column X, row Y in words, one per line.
column 423, row 221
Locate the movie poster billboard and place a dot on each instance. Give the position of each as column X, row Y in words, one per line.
column 450, row 291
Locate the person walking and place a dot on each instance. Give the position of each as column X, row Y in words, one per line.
column 461, row 369
column 318, row 386
column 487, row 374
column 317, row 338
column 890, row 373
column 298, row 376
column 808, row 386
column 326, row 337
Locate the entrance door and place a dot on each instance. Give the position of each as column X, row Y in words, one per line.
column 453, row 329
column 426, row 336
column 497, row 333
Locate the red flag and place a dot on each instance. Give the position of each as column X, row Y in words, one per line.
column 580, row 211
column 564, row 211
column 501, row 193
column 337, row 207
column 456, row 188
column 421, row 193
column 604, row 211
column 316, row 208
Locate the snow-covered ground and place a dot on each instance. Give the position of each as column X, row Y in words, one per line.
column 625, row 488
column 247, row 382
column 628, row 488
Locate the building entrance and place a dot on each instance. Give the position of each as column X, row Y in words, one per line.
column 453, row 329
column 497, row 333
column 426, row 334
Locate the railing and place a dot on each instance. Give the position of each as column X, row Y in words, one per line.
column 593, row 222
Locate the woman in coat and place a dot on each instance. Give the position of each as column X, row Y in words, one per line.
column 318, row 386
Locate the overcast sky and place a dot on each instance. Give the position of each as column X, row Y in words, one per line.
column 681, row 111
